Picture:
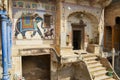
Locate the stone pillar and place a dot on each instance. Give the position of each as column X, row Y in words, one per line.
column 101, row 31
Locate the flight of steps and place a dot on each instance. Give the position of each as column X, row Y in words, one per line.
column 96, row 69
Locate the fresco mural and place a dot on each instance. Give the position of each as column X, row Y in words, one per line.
column 33, row 24
column 29, row 20
column 33, row 5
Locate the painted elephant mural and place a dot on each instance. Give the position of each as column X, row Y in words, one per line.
column 33, row 24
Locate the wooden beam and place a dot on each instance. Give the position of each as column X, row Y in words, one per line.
column 105, row 37
column 113, row 37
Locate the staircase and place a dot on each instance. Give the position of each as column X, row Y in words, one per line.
column 95, row 67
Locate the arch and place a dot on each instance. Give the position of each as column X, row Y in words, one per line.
column 89, row 27
column 89, row 15
column 111, row 12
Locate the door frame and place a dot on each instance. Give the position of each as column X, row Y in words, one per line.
column 82, row 29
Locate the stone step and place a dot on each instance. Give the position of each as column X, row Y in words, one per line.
column 110, row 79
column 97, row 69
column 104, row 77
column 100, row 73
column 90, row 58
column 94, row 65
column 88, row 55
column 92, row 62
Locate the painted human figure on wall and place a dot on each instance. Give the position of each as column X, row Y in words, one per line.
column 35, row 21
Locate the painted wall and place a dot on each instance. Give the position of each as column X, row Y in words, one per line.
column 28, row 8
column 91, row 18
column 91, row 27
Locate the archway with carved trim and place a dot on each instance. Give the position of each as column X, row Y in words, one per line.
column 87, row 24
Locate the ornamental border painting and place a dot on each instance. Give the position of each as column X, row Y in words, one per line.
column 34, row 5
column 20, row 4
column 14, row 4
column 28, row 5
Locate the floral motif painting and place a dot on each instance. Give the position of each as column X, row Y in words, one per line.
column 46, row 6
column 53, row 8
column 28, row 5
column 34, row 6
column 20, row 4
column 14, row 4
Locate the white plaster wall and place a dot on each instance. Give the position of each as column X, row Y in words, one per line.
column 17, row 66
column 92, row 19
column 90, row 28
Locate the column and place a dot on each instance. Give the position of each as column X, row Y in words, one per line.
column 113, row 47
column 4, row 45
column 105, row 37
column 9, row 43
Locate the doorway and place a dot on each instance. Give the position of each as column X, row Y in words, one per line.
column 76, row 39
column 108, row 38
column 77, row 36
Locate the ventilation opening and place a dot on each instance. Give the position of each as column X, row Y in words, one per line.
column 36, row 67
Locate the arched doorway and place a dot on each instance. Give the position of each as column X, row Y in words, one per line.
column 80, row 25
